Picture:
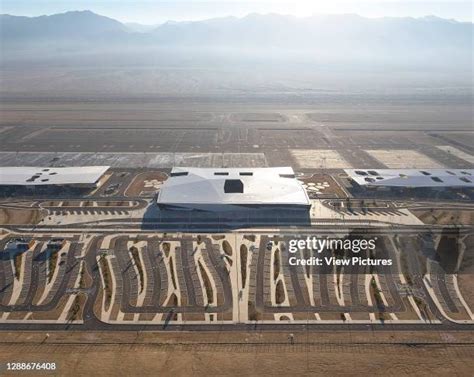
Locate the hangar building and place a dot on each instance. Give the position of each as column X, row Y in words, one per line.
column 215, row 189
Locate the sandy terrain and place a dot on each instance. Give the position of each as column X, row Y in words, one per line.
column 466, row 285
column 20, row 216
column 146, row 183
column 466, row 273
column 323, row 186
column 443, row 217
column 143, row 355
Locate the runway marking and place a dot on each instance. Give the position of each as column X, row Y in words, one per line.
column 134, row 159
column 319, row 159
column 457, row 152
column 404, row 159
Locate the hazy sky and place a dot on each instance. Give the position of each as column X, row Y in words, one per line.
column 152, row 11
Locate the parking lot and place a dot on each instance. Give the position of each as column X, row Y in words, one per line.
column 164, row 279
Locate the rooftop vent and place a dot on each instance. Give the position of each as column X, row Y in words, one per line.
column 33, row 178
column 437, row 179
column 221, row 173
column 233, row 186
column 249, row 173
column 179, row 174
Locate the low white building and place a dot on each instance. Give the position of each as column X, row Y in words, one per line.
column 413, row 178
column 214, row 189
column 26, row 176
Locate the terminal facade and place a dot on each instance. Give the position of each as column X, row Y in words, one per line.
column 221, row 189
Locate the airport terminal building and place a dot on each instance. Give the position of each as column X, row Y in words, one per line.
column 24, row 179
column 413, row 178
column 222, row 189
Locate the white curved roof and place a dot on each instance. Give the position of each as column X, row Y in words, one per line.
column 413, row 177
column 274, row 186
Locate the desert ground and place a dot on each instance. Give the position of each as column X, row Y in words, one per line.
column 243, row 354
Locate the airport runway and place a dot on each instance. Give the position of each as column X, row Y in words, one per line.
column 216, row 135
